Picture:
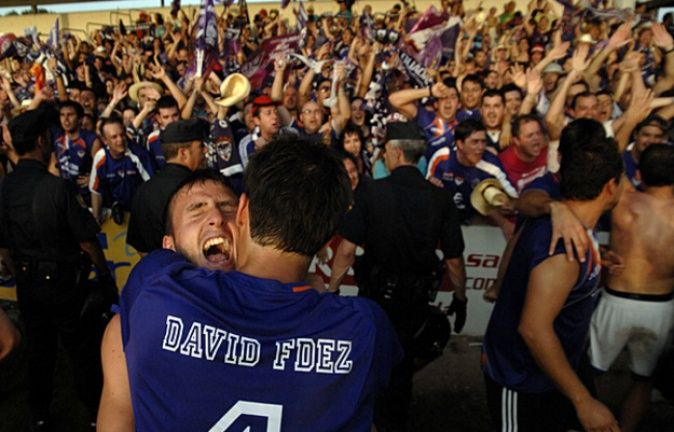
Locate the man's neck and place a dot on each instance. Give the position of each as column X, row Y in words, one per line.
column 35, row 155
column 266, row 262
column 661, row 192
column 462, row 160
column 73, row 135
column 587, row 212
column 521, row 156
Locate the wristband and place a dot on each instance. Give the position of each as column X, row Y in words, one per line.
column 430, row 90
column 669, row 50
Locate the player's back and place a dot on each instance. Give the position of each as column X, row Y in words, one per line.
column 212, row 350
column 642, row 233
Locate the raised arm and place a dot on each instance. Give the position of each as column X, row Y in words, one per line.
column 159, row 73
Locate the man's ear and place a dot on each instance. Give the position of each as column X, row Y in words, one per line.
column 167, row 243
column 242, row 216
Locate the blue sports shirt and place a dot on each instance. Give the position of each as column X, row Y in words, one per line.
column 215, row 351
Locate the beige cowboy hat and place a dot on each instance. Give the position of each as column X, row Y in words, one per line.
column 488, row 195
column 135, row 88
column 233, row 90
column 586, row 38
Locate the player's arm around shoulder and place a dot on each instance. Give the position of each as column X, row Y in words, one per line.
column 115, row 413
column 549, row 285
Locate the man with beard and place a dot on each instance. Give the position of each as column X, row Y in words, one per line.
column 438, row 124
column 526, row 159
column 74, row 148
column 183, row 150
column 287, row 356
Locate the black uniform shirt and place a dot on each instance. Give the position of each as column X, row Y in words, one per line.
column 42, row 216
column 400, row 220
column 146, row 224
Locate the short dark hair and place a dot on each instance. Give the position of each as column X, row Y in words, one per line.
column 493, row 93
column 466, row 128
column 197, row 177
column 585, row 171
column 510, row 87
column 584, row 94
column 578, row 133
column 298, row 193
column 166, row 102
column 656, row 165
column 652, row 120
column 474, row 78
column 79, row 111
column 518, row 121
column 350, row 129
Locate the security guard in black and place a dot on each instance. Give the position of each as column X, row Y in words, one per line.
column 46, row 227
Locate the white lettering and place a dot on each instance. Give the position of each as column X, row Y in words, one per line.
column 192, row 344
column 232, row 341
column 250, row 352
column 324, row 350
column 213, row 338
column 305, row 355
column 343, row 366
column 283, row 353
column 174, row 332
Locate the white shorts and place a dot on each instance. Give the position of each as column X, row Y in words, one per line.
column 642, row 325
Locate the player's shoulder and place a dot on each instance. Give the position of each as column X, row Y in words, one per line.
column 360, row 308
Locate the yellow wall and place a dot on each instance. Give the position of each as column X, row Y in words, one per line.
column 79, row 22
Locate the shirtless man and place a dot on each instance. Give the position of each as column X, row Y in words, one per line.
column 637, row 307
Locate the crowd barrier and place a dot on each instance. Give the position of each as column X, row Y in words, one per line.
column 484, row 246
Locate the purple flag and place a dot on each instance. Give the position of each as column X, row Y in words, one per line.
column 431, row 52
column 206, row 43
column 366, row 25
column 431, row 18
column 284, row 3
column 54, row 38
column 302, row 16
column 262, row 63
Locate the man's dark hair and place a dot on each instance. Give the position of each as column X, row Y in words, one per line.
column 586, row 170
column 652, row 120
column 584, row 94
column 79, row 111
column 198, row 177
column 166, row 102
column 350, row 129
column 656, row 165
column 518, row 121
column 578, row 133
column 510, row 87
column 466, row 128
column 493, row 93
column 474, row 78
column 298, row 192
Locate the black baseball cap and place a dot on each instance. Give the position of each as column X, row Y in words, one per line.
column 183, row 131
column 31, row 124
column 403, row 130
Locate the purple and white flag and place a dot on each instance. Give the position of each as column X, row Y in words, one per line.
column 206, row 42
column 53, row 43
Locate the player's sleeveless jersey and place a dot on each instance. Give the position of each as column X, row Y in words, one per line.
column 215, row 351
column 509, row 361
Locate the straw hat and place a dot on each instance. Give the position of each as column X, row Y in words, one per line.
column 487, row 195
column 135, row 88
column 233, row 90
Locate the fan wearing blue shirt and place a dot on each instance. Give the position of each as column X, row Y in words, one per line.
column 197, row 348
column 538, row 328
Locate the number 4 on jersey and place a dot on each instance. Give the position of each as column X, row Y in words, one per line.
column 270, row 411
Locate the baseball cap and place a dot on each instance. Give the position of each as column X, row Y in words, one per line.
column 33, row 123
column 183, row 131
column 263, row 101
column 403, row 130
column 553, row 68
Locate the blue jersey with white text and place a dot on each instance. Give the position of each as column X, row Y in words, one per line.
column 209, row 350
column 73, row 157
column 509, row 361
column 460, row 180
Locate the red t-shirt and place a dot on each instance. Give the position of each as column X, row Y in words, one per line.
column 521, row 173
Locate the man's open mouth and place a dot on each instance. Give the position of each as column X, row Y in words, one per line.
column 217, row 250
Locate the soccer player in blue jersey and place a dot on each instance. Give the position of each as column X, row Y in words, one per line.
column 538, row 328
column 194, row 348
